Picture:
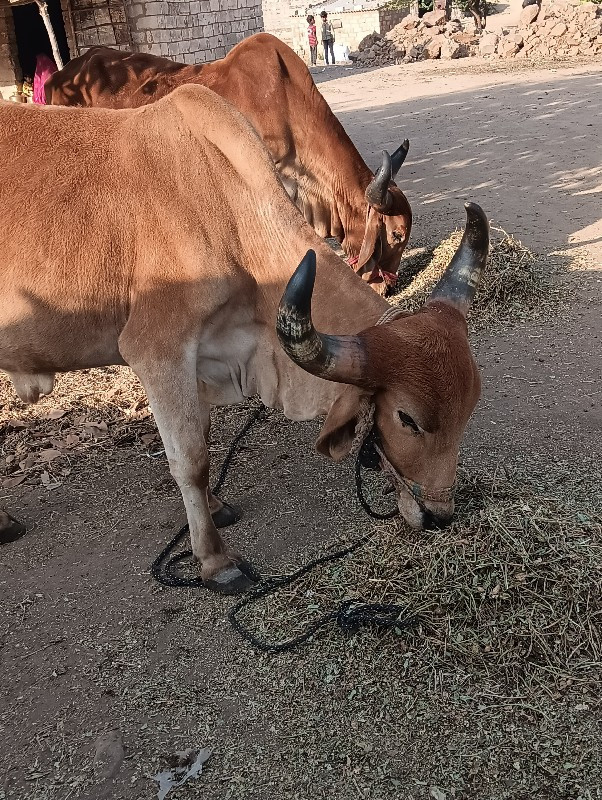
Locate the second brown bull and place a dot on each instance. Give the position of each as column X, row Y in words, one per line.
column 318, row 163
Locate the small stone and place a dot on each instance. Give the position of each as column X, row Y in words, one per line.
column 528, row 15
column 488, row 44
column 410, row 22
column 558, row 30
column 451, row 49
column 368, row 41
column 453, row 26
column 433, row 18
column 432, row 49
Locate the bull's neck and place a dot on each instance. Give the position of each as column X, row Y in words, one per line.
column 340, row 197
column 341, row 304
column 342, row 193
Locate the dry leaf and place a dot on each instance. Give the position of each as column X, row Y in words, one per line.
column 10, row 483
column 48, row 481
column 49, row 455
column 149, row 438
column 102, row 426
column 27, row 462
column 56, row 413
column 17, row 423
column 495, row 591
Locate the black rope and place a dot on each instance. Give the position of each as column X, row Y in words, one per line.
column 349, row 615
column 368, row 458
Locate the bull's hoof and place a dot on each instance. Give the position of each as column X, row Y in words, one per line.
column 227, row 515
column 235, row 579
column 10, row 528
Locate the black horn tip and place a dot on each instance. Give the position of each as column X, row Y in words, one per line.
column 477, row 226
column 301, row 285
column 399, row 156
column 474, row 211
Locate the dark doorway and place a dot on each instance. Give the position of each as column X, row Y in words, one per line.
column 32, row 37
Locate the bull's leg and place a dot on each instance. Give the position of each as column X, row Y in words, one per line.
column 171, row 387
column 223, row 513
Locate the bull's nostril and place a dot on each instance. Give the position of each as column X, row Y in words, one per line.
column 434, row 522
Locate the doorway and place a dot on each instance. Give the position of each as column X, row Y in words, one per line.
column 32, row 37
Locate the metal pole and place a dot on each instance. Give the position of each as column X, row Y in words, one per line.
column 43, row 9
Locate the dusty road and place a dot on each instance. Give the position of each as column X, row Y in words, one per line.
column 90, row 645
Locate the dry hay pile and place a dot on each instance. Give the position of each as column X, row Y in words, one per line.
column 512, row 591
column 88, row 411
column 514, row 286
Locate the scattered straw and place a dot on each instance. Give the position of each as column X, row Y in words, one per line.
column 515, row 285
column 512, row 590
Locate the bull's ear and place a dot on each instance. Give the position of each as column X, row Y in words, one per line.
column 369, row 244
column 336, row 436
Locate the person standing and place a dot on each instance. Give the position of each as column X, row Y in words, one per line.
column 45, row 67
column 327, row 37
column 313, row 39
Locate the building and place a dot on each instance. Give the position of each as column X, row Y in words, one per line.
column 185, row 30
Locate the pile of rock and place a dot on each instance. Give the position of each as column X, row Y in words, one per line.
column 557, row 30
column 417, row 39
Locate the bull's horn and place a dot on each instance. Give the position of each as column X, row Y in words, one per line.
column 377, row 193
column 459, row 282
column 335, row 358
column 399, row 156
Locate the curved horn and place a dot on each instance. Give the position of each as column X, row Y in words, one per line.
column 377, row 193
column 399, row 156
column 459, row 282
column 334, row 358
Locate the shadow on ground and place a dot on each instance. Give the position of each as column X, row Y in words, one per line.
column 530, row 155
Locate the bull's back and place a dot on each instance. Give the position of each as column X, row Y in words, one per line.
column 107, row 78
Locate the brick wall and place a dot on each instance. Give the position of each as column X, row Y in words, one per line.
column 10, row 72
column 390, row 17
column 277, row 16
column 192, row 30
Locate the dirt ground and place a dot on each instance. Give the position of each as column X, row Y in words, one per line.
column 105, row 674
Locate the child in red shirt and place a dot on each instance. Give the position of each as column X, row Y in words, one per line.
column 313, row 39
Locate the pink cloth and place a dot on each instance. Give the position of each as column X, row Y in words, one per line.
column 45, row 67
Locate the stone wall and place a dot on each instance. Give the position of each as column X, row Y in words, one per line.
column 10, row 72
column 389, row 18
column 192, row 30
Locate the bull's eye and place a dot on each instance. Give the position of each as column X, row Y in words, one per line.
column 407, row 420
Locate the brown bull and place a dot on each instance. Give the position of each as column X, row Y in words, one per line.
column 169, row 247
column 318, row 163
